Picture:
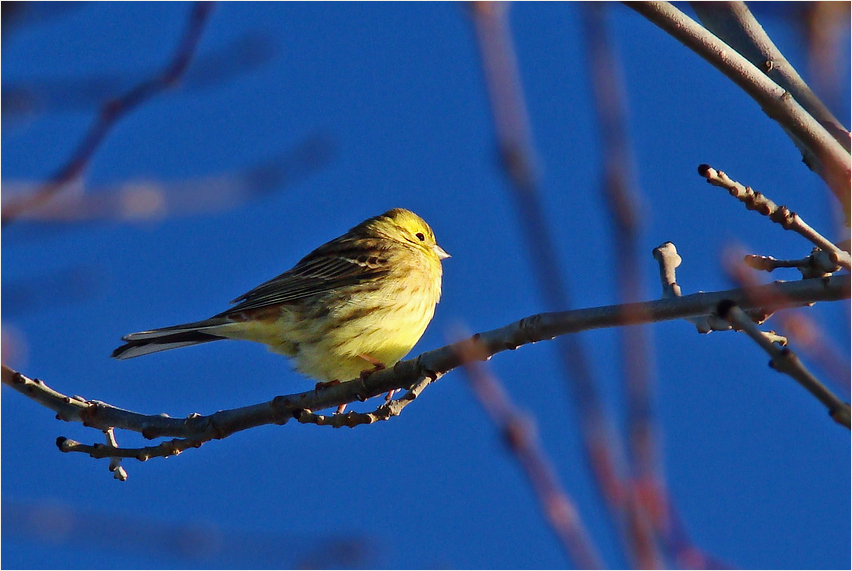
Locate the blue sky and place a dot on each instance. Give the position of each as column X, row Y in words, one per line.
column 365, row 107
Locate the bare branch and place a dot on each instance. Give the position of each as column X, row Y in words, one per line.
column 821, row 152
column 735, row 25
column 785, row 361
column 413, row 374
column 162, row 450
column 782, row 215
column 801, row 328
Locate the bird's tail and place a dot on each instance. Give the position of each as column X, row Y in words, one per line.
column 145, row 342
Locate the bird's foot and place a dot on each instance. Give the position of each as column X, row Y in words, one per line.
column 325, row 384
column 377, row 366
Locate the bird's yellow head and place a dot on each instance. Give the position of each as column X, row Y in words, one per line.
column 404, row 226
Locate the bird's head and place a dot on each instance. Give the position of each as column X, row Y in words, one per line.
column 405, row 226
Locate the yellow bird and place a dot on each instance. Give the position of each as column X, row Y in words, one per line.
column 357, row 303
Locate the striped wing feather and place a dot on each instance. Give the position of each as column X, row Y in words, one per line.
column 325, row 269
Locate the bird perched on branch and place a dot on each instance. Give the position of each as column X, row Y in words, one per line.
column 355, row 304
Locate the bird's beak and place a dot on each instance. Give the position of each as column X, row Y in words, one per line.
column 442, row 255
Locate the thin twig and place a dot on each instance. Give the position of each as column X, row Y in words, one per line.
column 817, row 264
column 785, row 361
column 162, row 450
column 519, row 431
column 118, row 471
column 601, row 441
column 351, row 419
column 645, row 512
column 782, row 215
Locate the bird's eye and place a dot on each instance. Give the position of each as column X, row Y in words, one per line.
column 420, row 236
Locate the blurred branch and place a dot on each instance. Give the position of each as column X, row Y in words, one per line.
column 824, row 28
column 194, row 541
column 779, row 214
column 646, row 512
column 687, row 556
column 146, row 200
column 821, row 151
column 735, row 25
column 196, row 429
column 519, row 432
column 785, row 361
column 217, row 67
column 18, row 15
column 110, row 115
column 601, row 441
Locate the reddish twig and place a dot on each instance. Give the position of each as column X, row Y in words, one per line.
column 600, row 439
column 645, row 511
column 519, row 433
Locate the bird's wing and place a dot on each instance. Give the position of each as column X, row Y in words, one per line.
column 327, row 268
